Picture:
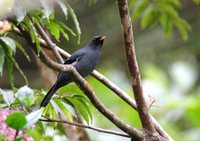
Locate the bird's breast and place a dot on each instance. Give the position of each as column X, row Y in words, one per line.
column 87, row 63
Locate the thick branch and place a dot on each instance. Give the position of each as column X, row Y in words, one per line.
column 119, row 92
column 133, row 132
column 133, row 66
column 104, row 81
column 86, row 126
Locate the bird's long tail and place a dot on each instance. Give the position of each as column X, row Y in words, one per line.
column 48, row 96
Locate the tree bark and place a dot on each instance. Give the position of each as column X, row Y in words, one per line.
column 133, row 66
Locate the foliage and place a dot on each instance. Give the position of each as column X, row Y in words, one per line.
column 68, row 104
column 16, row 120
column 151, row 13
column 164, row 12
column 46, row 18
column 25, row 97
column 7, row 133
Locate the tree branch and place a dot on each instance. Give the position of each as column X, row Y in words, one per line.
column 86, row 126
column 83, row 85
column 50, row 44
column 108, row 84
column 133, row 66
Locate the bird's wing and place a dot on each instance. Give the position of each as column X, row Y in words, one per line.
column 74, row 58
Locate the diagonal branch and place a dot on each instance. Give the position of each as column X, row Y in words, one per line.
column 133, row 66
column 83, row 85
column 133, row 132
column 122, row 94
column 108, row 84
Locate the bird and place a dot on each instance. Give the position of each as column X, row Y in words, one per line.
column 84, row 61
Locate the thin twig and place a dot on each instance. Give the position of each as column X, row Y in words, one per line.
column 86, row 126
column 133, row 132
column 83, row 84
column 107, row 83
column 16, row 134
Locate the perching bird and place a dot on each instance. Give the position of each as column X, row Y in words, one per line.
column 84, row 60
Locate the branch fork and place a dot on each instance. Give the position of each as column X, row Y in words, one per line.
column 150, row 126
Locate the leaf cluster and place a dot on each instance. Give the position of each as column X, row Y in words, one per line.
column 25, row 21
column 163, row 12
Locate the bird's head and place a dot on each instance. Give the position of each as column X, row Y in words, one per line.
column 97, row 41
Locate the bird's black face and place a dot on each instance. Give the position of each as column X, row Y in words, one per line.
column 98, row 41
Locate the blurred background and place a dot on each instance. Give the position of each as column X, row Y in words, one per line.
column 169, row 69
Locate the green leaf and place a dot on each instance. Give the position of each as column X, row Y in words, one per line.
column 185, row 24
column 63, row 7
column 16, row 120
column 70, row 89
column 40, row 125
column 163, row 19
column 64, row 109
column 51, row 112
column 66, row 100
column 139, row 8
column 25, row 96
column 81, row 97
column 33, row 34
column 75, row 20
column 167, row 8
column 167, row 24
column 147, row 17
column 17, row 67
column 9, row 70
column 86, row 102
column 54, row 29
column 65, row 35
column 64, row 26
column 37, row 16
column 175, row 3
column 82, row 108
column 19, row 139
column 9, row 42
column 168, row 28
column 2, row 55
column 182, row 26
column 19, row 46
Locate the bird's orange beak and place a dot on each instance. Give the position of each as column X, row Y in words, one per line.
column 102, row 38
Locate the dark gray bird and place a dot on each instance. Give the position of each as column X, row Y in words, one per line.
column 84, row 60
